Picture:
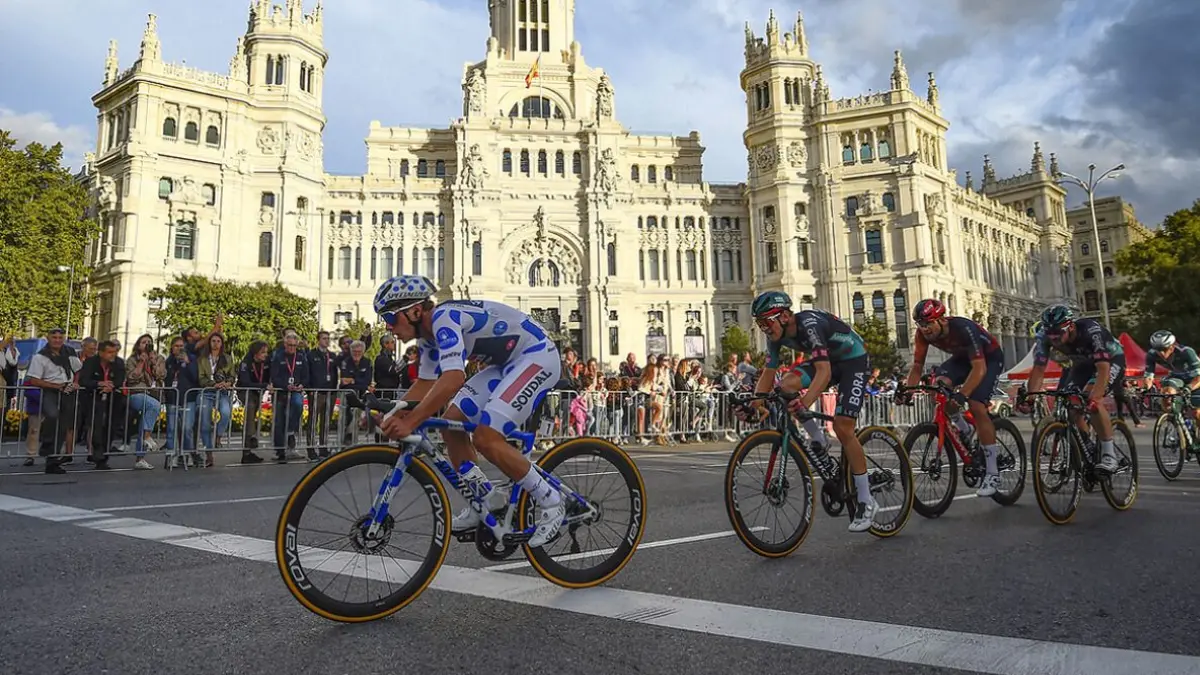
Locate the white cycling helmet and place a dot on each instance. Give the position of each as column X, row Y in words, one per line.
column 403, row 291
column 1161, row 340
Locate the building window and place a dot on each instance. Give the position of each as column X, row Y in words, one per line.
column 439, row 168
column 209, row 192
column 165, row 186
column 611, row 251
column 525, row 162
column 422, row 168
column 802, row 254
column 900, row 306
column 851, row 206
column 477, row 258
column 344, row 262
column 634, row 174
column 889, row 202
column 403, row 168
column 1085, row 248
column 278, row 70
column 1091, row 301
column 857, row 303
column 185, row 241
column 651, row 174
column 1108, row 272
column 878, row 306
column 170, row 128
column 560, row 164
column 885, row 149
column 212, row 136
column 641, row 265
column 690, row 258
column 1104, row 246
column 506, row 161
column 1089, row 273
column 299, row 262
column 847, row 154
column 577, row 163
column 191, row 132
column 864, row 153
column 267, row 199
column 544, row 273
column 727, row 265
column 536, row 107
column 653, row 264
column 874, row 240
column 542, row 162
column 614, row 341
column 668, row 173
column 429, row 261
column 772, row 257
column 387, row 262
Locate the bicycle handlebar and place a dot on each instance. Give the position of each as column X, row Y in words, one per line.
column 370, row 401
column 787, row 396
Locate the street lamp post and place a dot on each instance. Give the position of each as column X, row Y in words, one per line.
column 70, row 294
column 1090, row 188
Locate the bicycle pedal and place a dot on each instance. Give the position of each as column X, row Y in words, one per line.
column 514, row 538
column 465, row 536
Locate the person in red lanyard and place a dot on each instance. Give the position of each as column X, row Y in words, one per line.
column 252, row 380
column 289, row 379
column 104, row 374
column 323, row 378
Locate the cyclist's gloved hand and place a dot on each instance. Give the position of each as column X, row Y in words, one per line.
column 903, row 396
column 958, row 398
column 1092, row 405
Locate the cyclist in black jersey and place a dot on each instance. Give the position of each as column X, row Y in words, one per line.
column 837, row 355
column 1097, row 362
column 975, row 364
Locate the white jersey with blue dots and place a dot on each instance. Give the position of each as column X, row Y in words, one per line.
column 520, row 363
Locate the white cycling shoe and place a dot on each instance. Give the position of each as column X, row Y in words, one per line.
column 549, row 522
column 864, row 519
column 468, row 519
column 989, row 486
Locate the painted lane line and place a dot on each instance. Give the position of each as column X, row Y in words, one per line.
column 177, row 505
column 606, row 551
column 888, row 642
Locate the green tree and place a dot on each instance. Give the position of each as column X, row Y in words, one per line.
column 257, row 311
column 734, row 341
column 357, row 329
column 1161, row 275
column 42, row 227
column 880, row 347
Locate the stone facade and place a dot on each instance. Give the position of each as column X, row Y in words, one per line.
column 1118, row 227
column 538, row 196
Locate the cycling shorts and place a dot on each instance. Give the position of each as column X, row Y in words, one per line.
column 504, row 397
column 850, row 376
column 1083, row 374
column 958, row 369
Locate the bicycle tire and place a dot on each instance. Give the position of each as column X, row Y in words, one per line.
column 1010, row 498
column 906, row 478
column 288, row 558
column 1119, row 426
column 545, row 564
column 950, row 475
column 740, row 527
column 1049, row 431
column 1163, row 420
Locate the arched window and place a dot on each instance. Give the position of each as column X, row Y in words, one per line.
column 1030, row 212
column 304, row 76
column 889, row 201
column 900, row 307
column 344, row 262
column 212, row 136
column 544, row 273
column 634, row 174
column 878, row 306
column 652, row 174
column 536, row 107
column 1089, row 273
column 668, row 173
column 270, row 70
column 577, row 163
column 690, row 264
column 1108, row 272
column 439, row 168
column 165, row 187
column 506, row 161
column 422, row 168
column 864, row 153
column 859, row 308
column 541, row 167
column 299, row 261
column 429, row 261
column 847, row 154
column 560, row 165
column 1104, row 246
column 387, row 262
column 170, row 128
column 191, row 131
column 477, row 258
column 885, row 149
column 1085, row 248
column 851, row 206
column 265, row 242
column 653, row 264
column 525, row 162
column 611, row 251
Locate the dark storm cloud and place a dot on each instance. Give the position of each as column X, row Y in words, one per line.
column 1144, row 69
column 983, row 15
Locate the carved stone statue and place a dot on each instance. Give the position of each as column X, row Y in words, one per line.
column 474, row 170
column 802, row 226
column 606, row 172
column 933, row 205
column 476, row 92
column 539, row 219
column 604, row 98
column 106, row 195
column 866, row 204
column 189, row 191
column 797, row 154
column 266, row 215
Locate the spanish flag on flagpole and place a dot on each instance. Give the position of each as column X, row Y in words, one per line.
column 533, row 72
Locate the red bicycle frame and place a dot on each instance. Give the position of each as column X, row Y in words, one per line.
column 946, row 429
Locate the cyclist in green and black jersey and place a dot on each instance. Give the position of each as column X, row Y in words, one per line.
column 1183, row 363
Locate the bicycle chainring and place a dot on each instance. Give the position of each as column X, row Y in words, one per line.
column 832, row 499
column 489, row 547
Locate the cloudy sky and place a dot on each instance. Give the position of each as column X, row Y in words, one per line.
column 1103, row 81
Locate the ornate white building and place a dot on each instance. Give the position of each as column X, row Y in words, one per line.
column 538, row 196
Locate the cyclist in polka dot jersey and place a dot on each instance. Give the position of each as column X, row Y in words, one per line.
column 518, row 366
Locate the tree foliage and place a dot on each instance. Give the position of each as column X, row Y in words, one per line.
column 357, row 329
column 42, row 227
column 257, row 311
column 1161, row 278
column 880, row 347
column 734, row 341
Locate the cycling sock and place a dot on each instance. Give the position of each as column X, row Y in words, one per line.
column 816, row 432
column 537, row 487
column 863, row 487
column 1106, row 449
column 961, row 423
column 990, row 452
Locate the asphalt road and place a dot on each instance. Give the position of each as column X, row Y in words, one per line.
column 172, row 572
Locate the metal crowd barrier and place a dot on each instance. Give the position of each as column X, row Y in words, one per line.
column 184, row 431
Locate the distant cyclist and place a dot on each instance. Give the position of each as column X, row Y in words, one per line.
column 1183, row 363
column 975, row 364
column 520, row 364
column 1097, row 362
column 836, row 355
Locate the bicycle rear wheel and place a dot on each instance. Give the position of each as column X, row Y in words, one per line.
column 1121, row 487
column 618, row 534
column 935, row 470
column 305, row 569
column 770, row 481
column 1010, row 461
column 890, row 475
column 1169, row 453
column 1057, row 454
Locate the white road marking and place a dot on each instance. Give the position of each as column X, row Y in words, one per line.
column 176, row 505
column 606, row 551
column 883, row 641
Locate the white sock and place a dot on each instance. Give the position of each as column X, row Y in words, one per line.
column 1106, row 449
column 863, row 486
column 539, row 489
column 816, row 432
column 990, row 452
column 961, row 423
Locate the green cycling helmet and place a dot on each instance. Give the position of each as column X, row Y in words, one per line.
column 1056, row 316
column 770, row 302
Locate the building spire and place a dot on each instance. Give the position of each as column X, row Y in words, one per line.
column 801, row 38
column 237, row 65
column 989, row 172
column 772, row 29
column 151, row 49
column 932, row 96
column 820, row 90
column 1037, row 163
column 899, row 73
column 1054, row 165
column 111, row 64
column 970, row 182
column 295, row 12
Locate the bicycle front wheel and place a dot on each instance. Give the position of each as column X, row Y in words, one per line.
column 778, row 496
column 403, row 557
column 890, row 475
column 934, row 468
column 1120, row 488
column 618, row 496
column 1056, row 462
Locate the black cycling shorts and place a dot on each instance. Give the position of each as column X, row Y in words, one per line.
column 850, row 376
column 958, row 369
column 1082, row 374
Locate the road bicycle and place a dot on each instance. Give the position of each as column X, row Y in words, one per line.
column 373, row 530
column 1068, row 458
column 1175, row 433
column 942, row 446
column 837, row 488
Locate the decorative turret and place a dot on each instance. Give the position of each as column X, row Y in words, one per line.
column 970, row 182
column 932, row 95
column 1037, row 164
column 798, row 32
column 111, row 64
column 151, row 49
column 774, row 45
column 265, row 18
column 989, row 172
column 237, row 64
column 1054, row 165
column 899, row 73
column 772, row 28
column 820, row 89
